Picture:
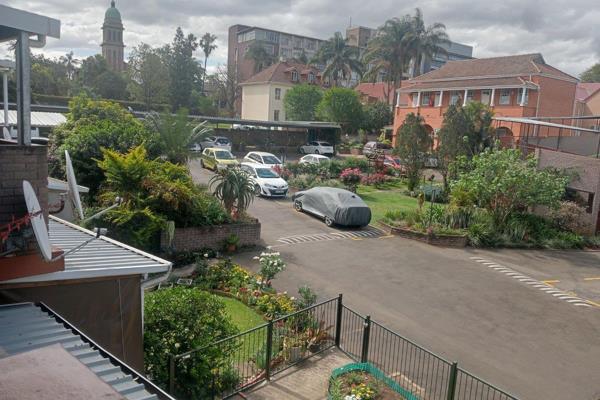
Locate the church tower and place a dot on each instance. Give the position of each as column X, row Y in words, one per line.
column 112, row 39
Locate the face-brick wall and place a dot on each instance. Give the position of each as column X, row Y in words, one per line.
column 213, row 237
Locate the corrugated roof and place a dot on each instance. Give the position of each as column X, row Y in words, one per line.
column 99, row 258
column 38, row 118
column 25, row 327
column 57, row 184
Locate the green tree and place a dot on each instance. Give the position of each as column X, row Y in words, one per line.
column 227, row 90
column 260, row 56
column 339, row 58
column 234, row 189
column 341, row 105
column 592, row 74
column 184, row 70
column 111, row 85
column 301, row 102
column 425, row 41
column 91, row 68
column 376, row 116
column 412, row 142
column 148, row 76
column 178, row 320
column 207, row 44
column 503, row 183
column 49, row 76
column 70, row 63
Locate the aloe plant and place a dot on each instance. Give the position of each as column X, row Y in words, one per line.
column 234, row 189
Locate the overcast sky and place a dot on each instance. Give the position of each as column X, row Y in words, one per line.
column 566, row 32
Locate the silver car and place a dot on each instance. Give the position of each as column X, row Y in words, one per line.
column 215, row 142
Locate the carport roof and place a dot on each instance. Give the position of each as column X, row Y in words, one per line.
column 13, row 21
column 288, row 124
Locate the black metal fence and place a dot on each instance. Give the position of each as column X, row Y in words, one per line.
column 256, row 355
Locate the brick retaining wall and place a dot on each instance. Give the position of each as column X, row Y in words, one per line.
column 436, row 240
column 202, row 237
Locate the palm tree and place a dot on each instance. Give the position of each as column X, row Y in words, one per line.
column 261, row 57
column 207, row 45
column 234, row 189
column 424, row 42
column 69, row 62
column 388, row 51
column 339, row 58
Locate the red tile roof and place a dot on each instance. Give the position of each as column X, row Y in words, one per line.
column 586, row 90
column 375, row 90
column 281, row 72
column 524, row 64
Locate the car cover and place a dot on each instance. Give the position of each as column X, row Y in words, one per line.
column 343, row 206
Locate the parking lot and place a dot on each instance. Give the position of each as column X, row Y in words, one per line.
column 463, row 304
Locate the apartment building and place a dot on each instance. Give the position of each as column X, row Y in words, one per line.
column 513, row 86
column 263, row 93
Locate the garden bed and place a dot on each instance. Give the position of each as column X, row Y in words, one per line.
column 364, row 381
column 435, row 239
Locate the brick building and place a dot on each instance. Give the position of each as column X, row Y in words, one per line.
column 587, row 104
column 513, row 86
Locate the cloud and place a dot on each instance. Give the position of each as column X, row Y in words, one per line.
column 566, row 32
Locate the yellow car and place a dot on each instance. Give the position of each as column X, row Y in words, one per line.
column 217, row 159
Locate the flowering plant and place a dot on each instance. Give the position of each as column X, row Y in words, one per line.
column 270, row 265
column 374, row 179
column 351, row 177
column 363, row 392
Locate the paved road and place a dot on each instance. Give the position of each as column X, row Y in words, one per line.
column 484, row 309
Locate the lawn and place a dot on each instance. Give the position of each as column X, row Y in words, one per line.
column 241, row 315
column 388, row 198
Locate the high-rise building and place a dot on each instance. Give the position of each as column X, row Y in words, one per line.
column 112, row 39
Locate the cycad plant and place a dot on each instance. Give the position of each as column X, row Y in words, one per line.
column 234, row 189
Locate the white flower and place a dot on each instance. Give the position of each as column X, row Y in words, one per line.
column 256, row 258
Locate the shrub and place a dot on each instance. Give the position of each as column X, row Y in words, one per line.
column 569, row 216
column 275, row 305
column 180, row 319
column 351, row 177
column 270, row 265
column 307, row 297
column 376, row 180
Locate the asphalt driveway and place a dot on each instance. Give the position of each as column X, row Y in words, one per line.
column 483, row 309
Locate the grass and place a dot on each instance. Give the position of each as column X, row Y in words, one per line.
column 241, row 315
column 390, row 197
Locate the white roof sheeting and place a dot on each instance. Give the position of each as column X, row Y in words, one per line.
column 62, row 186
column 99, row 258
column 38, row 118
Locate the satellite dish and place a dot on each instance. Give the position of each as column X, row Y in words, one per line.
column 72, row 183
column 37, row 221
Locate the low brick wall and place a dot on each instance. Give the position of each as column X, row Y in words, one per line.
column 202, row 237
column 436, row 240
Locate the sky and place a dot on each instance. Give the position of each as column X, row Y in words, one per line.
column 567, row 33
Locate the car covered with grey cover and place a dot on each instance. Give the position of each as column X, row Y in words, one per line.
column 335, row 206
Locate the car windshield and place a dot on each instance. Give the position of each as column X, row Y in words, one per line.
column 266, row 173
column 223, row 141
column 271, row 160
column 224, row 155
column 324, row 144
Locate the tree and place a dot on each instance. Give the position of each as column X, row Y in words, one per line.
column 340, row 59
column 234, row 189
column 184, row 70
column 49, row 76
column 260, row 56
column 111, row 85
column 376, row 116
column 413, row 141
column 503, row 183
column 70, row 64
column 387, row 53
column 207, row 45
column 149, row 76
column 227, row 90
column 592, row 74
column 341, row 105
column 178, row 320
column 301, row 102
column 91, row 68
column 424, row 42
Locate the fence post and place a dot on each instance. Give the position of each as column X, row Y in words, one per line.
column 269, row 351
column 171, row 374
column 364, row 356
column 338, row 321
column 452, row 381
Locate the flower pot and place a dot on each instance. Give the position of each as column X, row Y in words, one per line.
column 295, row 354
column 314, row 347
column 231, row 248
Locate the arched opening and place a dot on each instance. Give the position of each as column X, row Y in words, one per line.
column 505, row 136
column 434, row 139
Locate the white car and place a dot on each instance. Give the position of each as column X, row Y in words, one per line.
column 317, row 147
column 196, row 148
column 261, row 157
column 216, row 142
column 266, row 181
column 314, row 159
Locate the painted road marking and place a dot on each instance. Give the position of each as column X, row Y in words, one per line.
column 544, row 286
column 367, row 233
column 592, row 279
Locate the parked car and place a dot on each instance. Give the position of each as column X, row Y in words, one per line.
column 216, row 142
column 196, row 148
column 317, row 147
column 217, row 159
column 266, row 181
column 261, row 157
column 373, row 148
column 314, row 159
column 335, row 206
column 395, row 164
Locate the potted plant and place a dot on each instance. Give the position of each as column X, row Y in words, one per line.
column 231, row 243
column 294, row 348
column 317, row 336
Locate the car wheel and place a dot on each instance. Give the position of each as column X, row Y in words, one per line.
column 257, row 190
column 298, row 205
column 328, row 221
column 302, row 150
column 317, row 151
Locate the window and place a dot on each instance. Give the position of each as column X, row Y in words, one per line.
column 294, row 76
column 415, row 99
column 454, row 96
column 277, row 94
column 273, row 37
column 504, row 97
column 425, row 99
column 486, row 95
column 526, row 100
column 470, row 94
column 311, row 77
column 276, row 115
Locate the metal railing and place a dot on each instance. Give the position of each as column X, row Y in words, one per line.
column 256, row 355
